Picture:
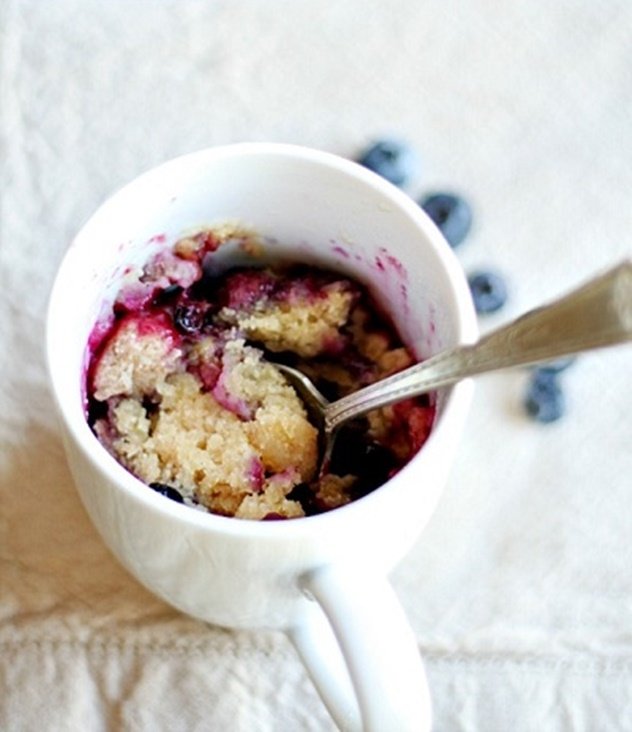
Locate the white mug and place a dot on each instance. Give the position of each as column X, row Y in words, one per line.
column 321, row 578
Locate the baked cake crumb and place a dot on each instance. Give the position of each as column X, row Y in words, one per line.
column 212, row 453
column 183, row 393
column 333, row 491
column 307, row 327
column 138, row 357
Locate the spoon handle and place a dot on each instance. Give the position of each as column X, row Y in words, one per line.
column 597, row 314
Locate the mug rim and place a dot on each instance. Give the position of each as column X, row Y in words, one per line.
column 77, row 427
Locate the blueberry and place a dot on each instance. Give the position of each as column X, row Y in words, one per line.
column 329, row 389
column 558, row 365
column 377, row 466
column 489, row 291
column 393, row 159
column 452, row 215
column 349, row 448
column 168, row 294
column 167, row 491
column 305, row 496
column 189, row 319
column 355, row 453
column 96, row 410
column 544, row 400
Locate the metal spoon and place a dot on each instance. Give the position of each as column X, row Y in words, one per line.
column 597, row 314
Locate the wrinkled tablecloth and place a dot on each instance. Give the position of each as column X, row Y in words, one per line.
column 520, row 589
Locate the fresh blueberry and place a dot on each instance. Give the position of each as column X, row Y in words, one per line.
column 167, row 491
column 489, row 291
column 544, row 400
column 558, row 365
column 393, row 159
column 452, row 215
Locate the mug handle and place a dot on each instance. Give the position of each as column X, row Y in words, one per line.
column 361, row 653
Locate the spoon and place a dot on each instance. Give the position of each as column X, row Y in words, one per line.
column 595, row 315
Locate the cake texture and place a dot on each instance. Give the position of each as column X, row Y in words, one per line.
column 184, row 392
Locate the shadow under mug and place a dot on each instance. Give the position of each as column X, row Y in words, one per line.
column 323, row 578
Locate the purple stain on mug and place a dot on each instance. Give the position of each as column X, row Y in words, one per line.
column 430, row 339
column 341, row 251
column 100, row 330
column 380, row 264
column 394, row 263
column 403, row 291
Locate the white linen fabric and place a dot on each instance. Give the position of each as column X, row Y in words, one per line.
column 520, row 589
